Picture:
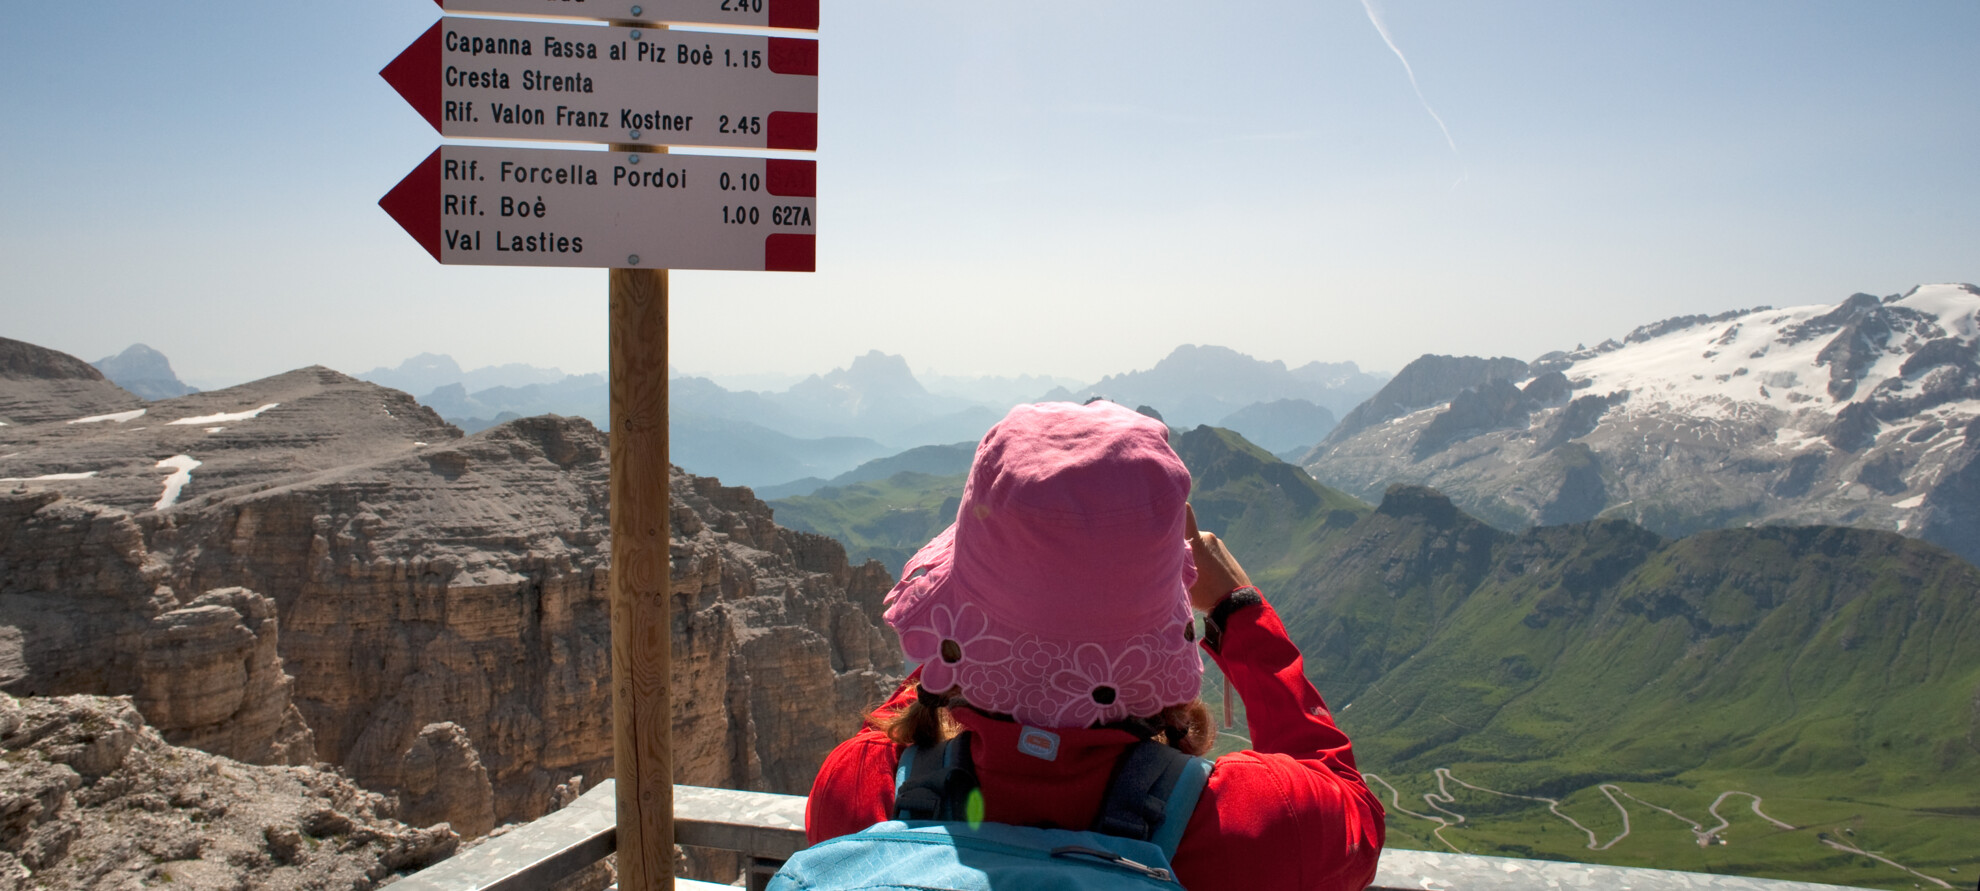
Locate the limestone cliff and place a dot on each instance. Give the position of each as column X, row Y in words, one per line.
column 441, row 601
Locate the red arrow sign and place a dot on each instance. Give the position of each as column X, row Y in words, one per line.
column 500, row 79
column 496, row 206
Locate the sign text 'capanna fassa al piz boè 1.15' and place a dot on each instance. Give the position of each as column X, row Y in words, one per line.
column 481, row 78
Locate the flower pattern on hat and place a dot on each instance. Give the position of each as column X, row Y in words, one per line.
column 966, row 625
column 1042, row 682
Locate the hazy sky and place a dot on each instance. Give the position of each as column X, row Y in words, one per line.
column 1012, row 187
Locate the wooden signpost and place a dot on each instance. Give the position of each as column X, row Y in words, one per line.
column 640, row 87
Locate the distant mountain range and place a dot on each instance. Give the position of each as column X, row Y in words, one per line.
column 827, row 424
column 1205, row 384
column 1483, row 671
column 1860, row 413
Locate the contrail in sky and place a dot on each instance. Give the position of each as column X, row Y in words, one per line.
column 1375, row 18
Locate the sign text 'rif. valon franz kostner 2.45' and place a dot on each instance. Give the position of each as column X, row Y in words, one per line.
column 630, row 85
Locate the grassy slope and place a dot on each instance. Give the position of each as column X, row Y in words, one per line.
column 885, row 520
column 1831, row 671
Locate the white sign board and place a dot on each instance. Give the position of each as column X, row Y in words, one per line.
column 797, row 14
column 493, row 206
column 545, row 81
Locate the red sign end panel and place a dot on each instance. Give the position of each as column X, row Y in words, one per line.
column 416, row 75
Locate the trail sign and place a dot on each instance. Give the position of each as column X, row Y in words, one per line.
column 497, row 206
column 797, row 14
column 496, row 79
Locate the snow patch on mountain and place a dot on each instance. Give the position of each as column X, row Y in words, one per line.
column 1857, row 413
column 226, row 417
column 114, row 417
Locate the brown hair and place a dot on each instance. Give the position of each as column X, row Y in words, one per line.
column 1186, row 727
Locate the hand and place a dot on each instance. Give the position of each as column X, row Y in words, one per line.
column 1217, row 572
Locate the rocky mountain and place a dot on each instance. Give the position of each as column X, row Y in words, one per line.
column 1855, row 413
column 311, row 567
column 95, row 798
column 38, row 384
column 1197, row 385
column 1428, row 381
column 143, row 371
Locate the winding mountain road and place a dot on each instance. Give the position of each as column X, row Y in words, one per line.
column 1438, row 799
column 1614, row 793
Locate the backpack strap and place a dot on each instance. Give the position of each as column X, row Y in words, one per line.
column 1151, row 784
column 933, row 779
column 1181, row 804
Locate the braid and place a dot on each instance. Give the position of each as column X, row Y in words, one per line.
column 924, row 722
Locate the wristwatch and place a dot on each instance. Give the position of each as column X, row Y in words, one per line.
column 1213, row 624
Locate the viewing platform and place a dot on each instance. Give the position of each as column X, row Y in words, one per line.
column 765, row 829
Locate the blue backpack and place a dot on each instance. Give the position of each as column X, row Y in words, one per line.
column 929, row 845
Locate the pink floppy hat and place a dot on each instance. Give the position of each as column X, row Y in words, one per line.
column 1060, row 594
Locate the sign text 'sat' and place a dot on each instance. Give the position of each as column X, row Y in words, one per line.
column 503, row 79
column 490, row 206
column 797, row 14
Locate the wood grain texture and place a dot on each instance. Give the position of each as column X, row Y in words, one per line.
column 642, row 645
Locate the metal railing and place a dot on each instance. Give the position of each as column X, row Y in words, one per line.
column 766, row 829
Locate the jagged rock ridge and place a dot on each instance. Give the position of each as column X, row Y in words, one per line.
column 441, row 601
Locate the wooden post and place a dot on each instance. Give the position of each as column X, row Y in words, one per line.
column 641, row 581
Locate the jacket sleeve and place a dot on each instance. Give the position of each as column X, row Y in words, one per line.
column 855, row 786
column 1291, row 812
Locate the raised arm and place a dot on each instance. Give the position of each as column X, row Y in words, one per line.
column 1293, row 807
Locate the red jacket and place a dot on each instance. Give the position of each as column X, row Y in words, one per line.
column 1291, row 813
